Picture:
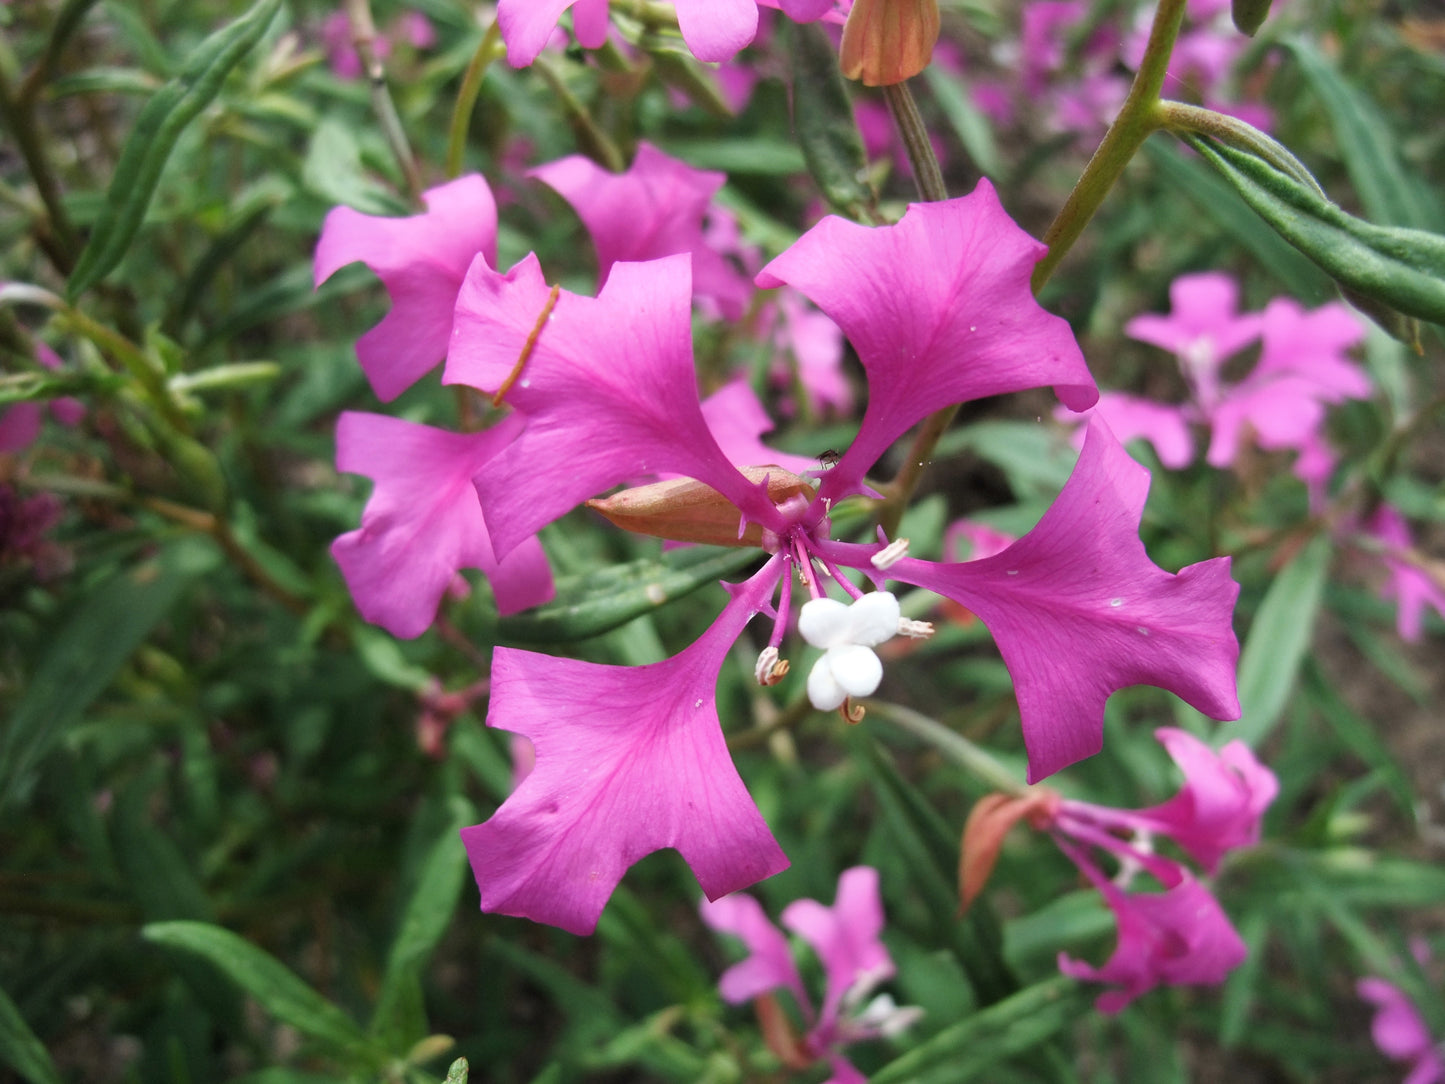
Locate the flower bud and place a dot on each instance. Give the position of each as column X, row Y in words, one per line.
column 684, row 510
column 888, row 41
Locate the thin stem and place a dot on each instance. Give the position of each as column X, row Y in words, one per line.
column 953, row 745
column 53, row 230
column 363, row 37
column 482, row 59
column 899, row 491
column 1139, row 117
column 592, row 137
column 1182, row 117
column 926, row 172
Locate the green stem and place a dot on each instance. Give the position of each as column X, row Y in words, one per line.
column 952, row 745
column 363, row 36
column 53, row 230
column 1181, row 117
column 482, row 59
column 1139, row 117
column 926, row 172
column 593, row 138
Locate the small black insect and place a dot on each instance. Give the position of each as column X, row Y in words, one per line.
column 829, row 459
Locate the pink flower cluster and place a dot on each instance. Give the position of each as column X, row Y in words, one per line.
column 1179, row 936
column 603, row 391
column 845, row 938
column 1280, row 405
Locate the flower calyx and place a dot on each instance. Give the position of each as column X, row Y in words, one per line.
column 686, row 510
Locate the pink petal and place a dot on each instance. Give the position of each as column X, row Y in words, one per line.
column 1224, row 797
column 20, row 426
column 1410, row 586
column 816, row 344
column 657, row 208
column 845, row 936
column 1282, row 412
column 528, row 24
column 737, row 421
column 1132, row 418
column 770, row 965
column 629, row 760
column 1398, row 1028
column 717, row 29
column 609, row 391
column 421, row 261
column 1078, row 610
column 1312, row 345
column 1180, row 937
column 1204, row 319
column 423, row 522
column 939, row 310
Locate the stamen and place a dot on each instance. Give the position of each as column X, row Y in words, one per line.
column 852, row 713
column 785, row 603
column 890, row 554
column 770, row 669
column 527, row 347
column 841, row 580
column 915, row 630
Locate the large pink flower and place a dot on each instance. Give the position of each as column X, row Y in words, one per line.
column 421, row 261
column 939, row 309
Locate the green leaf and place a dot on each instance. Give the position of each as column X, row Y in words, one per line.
column 427, row 915
column 973, row 1047
column 1367, row 144
column 19, row 1047
column 1214, row 199
column 824, row 125
column 457, row 1072
column 968, row 123
column 1241, row 989
column 160, row 124
column 931, row 851
column 593, row 603
column 83, row 656
column 1278, row 640
column 275, row 987
column 1358, row 735
column 1402, row 268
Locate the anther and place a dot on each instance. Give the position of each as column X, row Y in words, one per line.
column 770, row 669
column 915, row 630
column 852, row 713
column 890, row 554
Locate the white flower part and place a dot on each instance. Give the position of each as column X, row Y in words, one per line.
column 915, row 630
column 890, row 554
column 764, row 669
column 847, row 633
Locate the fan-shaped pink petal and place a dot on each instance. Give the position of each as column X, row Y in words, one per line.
column 940, row 311
column 423, row 522
column 1078, row 610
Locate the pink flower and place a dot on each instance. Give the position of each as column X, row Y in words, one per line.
column 1180, row 936
column 423, row 523
column 713, row 29
column 1409, row 585
column 20, row 423
column 659, row 207
column 939, row 310
column 855, row 961
column 1400, row 1031
column 421, row 261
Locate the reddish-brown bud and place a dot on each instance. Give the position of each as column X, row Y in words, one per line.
column 888, row 41
column 684, row 510
column 983, row 834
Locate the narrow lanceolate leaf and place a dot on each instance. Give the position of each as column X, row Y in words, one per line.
column 1402, row 268
column 823, row 121
column 20, row 1049
column 1389, row 194
column 427, row 915
column 160, row 124
column 276, row 988
column 974, row 1047
column 600, row 601
column 84, row 653
column 1277, row 642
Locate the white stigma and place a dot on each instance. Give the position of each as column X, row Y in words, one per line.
column 847, row 633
